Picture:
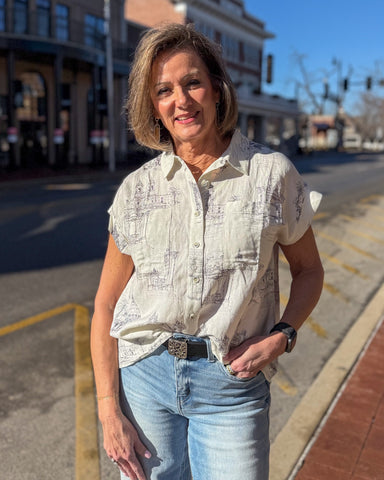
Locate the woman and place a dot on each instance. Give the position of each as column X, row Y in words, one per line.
column 186, row 329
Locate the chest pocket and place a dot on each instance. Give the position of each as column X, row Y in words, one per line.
column 242, row 229
column 151, row 232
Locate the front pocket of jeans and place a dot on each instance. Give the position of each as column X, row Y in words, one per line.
column 234, row 377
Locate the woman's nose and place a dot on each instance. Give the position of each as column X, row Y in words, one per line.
column 182, row 97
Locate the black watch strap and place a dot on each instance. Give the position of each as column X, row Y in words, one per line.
column 289, row 332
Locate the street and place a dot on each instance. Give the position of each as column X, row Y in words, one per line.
column 53, row 238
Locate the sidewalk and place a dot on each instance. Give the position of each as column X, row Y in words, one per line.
column 336, row 431
column 351, row 443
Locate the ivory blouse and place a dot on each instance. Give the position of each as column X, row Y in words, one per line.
column 206, row 252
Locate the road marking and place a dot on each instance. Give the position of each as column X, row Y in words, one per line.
column 362, row 222
column 367, row 237
column 371, row 198
column 346, row 245
column 373, row 216
column 335, row 292
column 284, row 383
column 347, row 267
column 36, row 319
column 310, row 322
column 321, row 215
column 87, row 450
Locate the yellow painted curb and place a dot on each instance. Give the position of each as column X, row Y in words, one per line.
column 292, row 440
column 87, row 449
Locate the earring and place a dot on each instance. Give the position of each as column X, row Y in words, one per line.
column 218, row 114
column 156, row 130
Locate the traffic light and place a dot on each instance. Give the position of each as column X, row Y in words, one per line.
column 345, row 84
column 369, row 83
column 269, row 68
column 326, row 90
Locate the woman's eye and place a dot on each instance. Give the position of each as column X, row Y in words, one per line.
column 163, row 91
column 194, row 82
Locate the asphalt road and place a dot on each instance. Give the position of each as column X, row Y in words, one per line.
column 53, row 238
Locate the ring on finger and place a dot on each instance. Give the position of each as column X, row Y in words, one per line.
column 230, row 369
column 113, row 460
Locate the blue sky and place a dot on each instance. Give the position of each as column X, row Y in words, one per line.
column 352, row 31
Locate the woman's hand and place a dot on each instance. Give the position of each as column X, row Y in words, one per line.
column 123, row 445
column 251, row 356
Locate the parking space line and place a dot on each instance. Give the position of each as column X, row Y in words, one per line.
column 341, row 264
column 370, row 198
column 36, row 319
column 346, row 245
column 310, row 322
column 87, row 450
column 371, row 238
column 362, row 222
column 335, row 292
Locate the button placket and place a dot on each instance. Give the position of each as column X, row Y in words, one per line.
column 195, row 255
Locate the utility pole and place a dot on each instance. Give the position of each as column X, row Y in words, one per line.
column 109, row 71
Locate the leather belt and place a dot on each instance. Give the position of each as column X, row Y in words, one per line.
column 182, row 348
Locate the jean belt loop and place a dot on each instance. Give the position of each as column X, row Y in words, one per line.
column 211, row 357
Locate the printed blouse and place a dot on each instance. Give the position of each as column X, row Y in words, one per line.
column 206, row 252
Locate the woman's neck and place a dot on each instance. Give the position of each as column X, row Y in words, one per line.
column 199, row 158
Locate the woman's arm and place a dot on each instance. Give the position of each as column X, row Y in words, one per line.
column 121, row 441
column 307, row 282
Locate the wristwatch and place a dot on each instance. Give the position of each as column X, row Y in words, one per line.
column 289, row 332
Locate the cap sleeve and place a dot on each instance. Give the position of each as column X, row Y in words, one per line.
column 117, row 219
column 300, row 203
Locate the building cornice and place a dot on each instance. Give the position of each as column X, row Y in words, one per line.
column 246, row 22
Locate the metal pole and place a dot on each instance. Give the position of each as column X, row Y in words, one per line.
column 109, row 69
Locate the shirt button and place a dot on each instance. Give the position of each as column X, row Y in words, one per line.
column 196, row 280
column 197, row 213
column 192, row 315
column 205, row 183
column 196, row 244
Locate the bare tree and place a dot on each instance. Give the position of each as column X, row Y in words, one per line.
column 370, row 116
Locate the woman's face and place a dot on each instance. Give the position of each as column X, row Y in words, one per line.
column 183, row 97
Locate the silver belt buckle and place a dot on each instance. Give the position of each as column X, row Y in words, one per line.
column 178, row 348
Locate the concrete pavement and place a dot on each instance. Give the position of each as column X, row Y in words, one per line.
column 336, row 431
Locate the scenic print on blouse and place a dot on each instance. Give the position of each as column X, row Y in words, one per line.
column 206, row 252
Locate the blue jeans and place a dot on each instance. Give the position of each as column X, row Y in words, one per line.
column 196, row 419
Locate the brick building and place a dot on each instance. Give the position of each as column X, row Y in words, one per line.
column 53, row 108
column 266, row 118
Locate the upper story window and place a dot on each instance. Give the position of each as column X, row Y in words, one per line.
column 2, row 15
column 62, row 22
column 205, row 29
column 230, row 47
column 94, row 31
column 251, row 55
column 20, row 16
column 43, row 9
column 232, row 7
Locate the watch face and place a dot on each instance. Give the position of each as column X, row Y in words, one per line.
column 291, row 342
column 291, row 334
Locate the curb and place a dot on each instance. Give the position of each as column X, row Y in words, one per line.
column 290, row 444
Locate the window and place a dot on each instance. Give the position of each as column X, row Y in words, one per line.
column 94, row 31
column 2, row 15
column 20, row 16
column 205, row 29
column 62, row 22
column 43, row 9
column 230, row 47
column 251, row 55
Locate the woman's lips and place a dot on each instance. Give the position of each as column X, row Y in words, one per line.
column 185, row 119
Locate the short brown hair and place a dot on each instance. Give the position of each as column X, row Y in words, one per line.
column 139, row 108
